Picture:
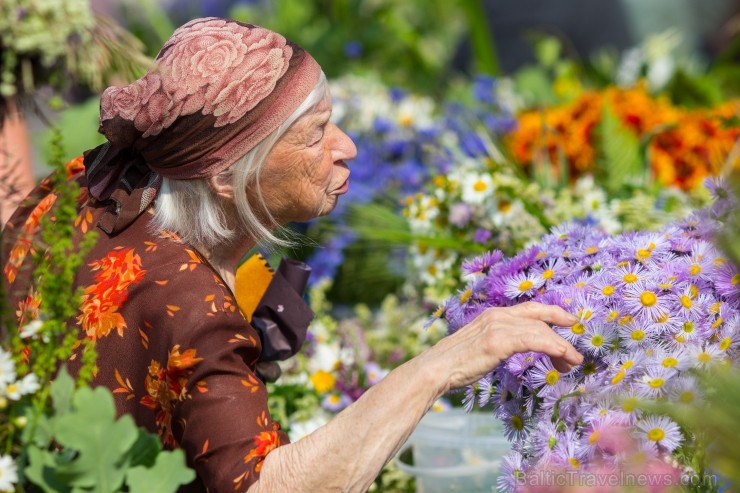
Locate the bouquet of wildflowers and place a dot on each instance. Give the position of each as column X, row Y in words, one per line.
column 49, row 42
column 655, row 308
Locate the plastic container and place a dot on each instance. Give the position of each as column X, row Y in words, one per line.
column 455, row 451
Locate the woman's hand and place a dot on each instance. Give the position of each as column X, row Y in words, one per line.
column 497, row 333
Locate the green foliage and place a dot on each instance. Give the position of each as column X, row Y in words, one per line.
column 621, row 161
column 408, row 44
column 99, row 453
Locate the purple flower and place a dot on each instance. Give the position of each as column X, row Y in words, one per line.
column 353, row 49
column 482, row 236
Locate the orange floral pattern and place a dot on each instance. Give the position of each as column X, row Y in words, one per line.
column 687, row 145
column 264, row 443
column 166, row 385
column 102, row 301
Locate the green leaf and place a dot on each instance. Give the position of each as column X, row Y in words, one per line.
column 145, row 449
column 62, row 390
column 621, row 162
column 102, row 443
column 167, row 474
column 42, row 471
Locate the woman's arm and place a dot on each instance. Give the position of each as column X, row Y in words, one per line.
column 348, row 452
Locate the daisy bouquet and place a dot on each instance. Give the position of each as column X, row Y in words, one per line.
column 655, row 308
column 483, row 204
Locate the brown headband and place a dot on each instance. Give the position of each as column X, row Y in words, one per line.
column 218, row 88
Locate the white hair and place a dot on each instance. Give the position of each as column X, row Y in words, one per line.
column 193, row 210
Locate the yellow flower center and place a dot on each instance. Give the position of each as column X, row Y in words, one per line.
column 662, row 318
column 578, row 328
column 686, row 397
column 656, row 383
column 629, row 277
column 552, row 377
column 525, row 285
column 670, row 362
column 637, row 335
column 612, row 316
column 704, row 357
column 574, row 463
column 688, row 327
column 594, row 437
column 548, row 274
column 693, row 291
column 585, row 313
column 597, row 340
column 607, row 290
column 628, row 364
column 480, row 186
column 439, row 181
column 517, row 422
column 714, row 307
column 618, row 377
column 627, row 319
column 643, row 254
column 735, row 280
column 592, row 250
column 686, row 301
column 717, row 322
column 466, row 296
column 504, row 206
column 656, row 434
column 695, row 269
column 630, row 404
column 648, row 298
column 725, row 343
column 679, row 338
column 432, row 270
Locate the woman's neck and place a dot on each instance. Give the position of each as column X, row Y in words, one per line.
column 225, row 260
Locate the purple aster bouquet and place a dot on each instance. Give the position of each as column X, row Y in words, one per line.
column 655, row 309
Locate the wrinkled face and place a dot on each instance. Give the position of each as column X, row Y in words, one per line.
column 305, row 173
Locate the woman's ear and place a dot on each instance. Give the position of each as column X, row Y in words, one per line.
column 221, row 186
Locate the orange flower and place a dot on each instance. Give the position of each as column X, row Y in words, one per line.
column 28, row 308
column 23, row 243
column 686, row 145
column 119, row 269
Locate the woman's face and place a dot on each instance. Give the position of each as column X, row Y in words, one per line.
column 306, row 171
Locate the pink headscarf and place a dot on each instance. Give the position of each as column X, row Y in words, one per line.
column 218, row 88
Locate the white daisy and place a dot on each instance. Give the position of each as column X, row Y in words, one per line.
column 660, row 430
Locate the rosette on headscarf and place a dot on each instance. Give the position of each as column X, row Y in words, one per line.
column 218, row 88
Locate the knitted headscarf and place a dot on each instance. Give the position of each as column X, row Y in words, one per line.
column 218, row 88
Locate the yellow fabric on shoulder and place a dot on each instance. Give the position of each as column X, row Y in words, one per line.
column 252, row 278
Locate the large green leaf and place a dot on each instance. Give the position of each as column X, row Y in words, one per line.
column 101, row 442
column 621, row 162
column 167, row 474
column 42, row 471
column 62, row 390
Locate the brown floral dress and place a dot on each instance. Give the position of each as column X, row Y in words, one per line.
column 173, row 346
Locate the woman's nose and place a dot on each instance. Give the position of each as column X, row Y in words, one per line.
column 343, row 148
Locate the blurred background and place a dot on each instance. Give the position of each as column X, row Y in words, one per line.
column 480, row 125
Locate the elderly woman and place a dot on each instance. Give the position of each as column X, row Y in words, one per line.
column 228, row 138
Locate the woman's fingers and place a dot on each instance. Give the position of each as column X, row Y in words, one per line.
column 547, row 313
column 542, row 339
